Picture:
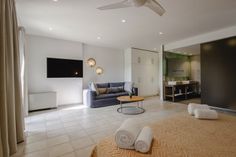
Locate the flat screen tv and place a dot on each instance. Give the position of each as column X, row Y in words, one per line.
column 64, row 68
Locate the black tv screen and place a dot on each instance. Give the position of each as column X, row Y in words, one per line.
column 61, row 68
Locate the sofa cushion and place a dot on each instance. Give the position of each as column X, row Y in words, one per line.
column 115, row 89
column 93, row 87
column 117, row 84
column 102, row 90
column 112, row 95
column 120, row 94
column 102, row 85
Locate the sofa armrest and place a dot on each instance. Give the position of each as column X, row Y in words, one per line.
column 135, row 91
column 91, row 96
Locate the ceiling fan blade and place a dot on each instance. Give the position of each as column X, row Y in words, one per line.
column 155, row 6
column 123, row 4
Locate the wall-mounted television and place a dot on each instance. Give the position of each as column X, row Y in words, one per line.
column 64, row 68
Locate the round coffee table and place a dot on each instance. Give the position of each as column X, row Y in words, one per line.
column 131, row 110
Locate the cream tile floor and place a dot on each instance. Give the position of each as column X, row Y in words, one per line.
column 72, row 131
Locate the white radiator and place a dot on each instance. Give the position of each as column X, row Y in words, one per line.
column 42, row 100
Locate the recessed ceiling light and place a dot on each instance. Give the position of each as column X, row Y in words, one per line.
column 160, row 33
column 98, row 38
column 50, row 28
column 123, row 21
column 55, row 0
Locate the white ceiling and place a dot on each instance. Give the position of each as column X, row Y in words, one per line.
column 79, row 20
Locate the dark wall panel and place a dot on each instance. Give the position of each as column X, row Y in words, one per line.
column 218, row 73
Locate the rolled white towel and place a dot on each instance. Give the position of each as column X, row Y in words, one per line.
column 193, row 106
column 144, row 140
column 205, row 114
column 126, row 135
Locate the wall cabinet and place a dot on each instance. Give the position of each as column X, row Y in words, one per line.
column 144, row 71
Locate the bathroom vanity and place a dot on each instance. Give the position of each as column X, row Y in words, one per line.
column 176, row 89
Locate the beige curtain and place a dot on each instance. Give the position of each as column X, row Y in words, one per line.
column 1, row 151
column 11, row 119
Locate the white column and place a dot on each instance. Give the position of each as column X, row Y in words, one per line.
column 161, row 72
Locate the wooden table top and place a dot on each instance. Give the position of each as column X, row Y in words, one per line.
column 128, row 99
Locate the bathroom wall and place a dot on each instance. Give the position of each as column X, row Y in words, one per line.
column 177, row 66
column 195, row 68
column 183, row 67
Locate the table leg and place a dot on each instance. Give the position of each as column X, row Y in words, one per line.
column 186, row 92
column 173, row 94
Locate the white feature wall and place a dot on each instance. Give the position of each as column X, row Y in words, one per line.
column 69, row 90
column 111, row 60
column 128, row 65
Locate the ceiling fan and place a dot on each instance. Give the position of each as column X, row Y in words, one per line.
column 151, row 4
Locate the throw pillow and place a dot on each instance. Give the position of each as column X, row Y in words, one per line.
column 102, row 90
column 128, row 87
column 93, row 87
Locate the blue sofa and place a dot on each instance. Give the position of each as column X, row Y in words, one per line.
column 106, row 99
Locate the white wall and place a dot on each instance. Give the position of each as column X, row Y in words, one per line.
column 69, row 90
column 128, row 65
column 111, row 60
column 195, row 63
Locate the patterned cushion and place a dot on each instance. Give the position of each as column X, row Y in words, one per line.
column 102, row 90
